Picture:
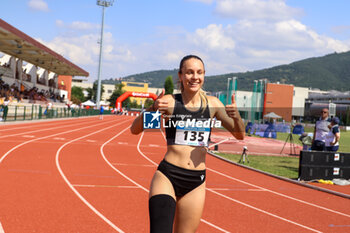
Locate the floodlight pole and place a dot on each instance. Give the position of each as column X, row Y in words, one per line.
column 103, row 4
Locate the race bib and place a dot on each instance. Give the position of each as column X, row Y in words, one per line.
column 192, row 136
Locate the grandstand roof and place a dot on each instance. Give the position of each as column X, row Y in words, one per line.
column 20, row 45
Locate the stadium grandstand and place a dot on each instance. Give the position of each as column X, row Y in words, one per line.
column 31, row 73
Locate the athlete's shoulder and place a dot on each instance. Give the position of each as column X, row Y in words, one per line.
column 214, row 101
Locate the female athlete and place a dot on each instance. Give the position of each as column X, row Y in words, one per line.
column 178, row 186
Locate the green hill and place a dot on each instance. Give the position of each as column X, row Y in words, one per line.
column 330, row 72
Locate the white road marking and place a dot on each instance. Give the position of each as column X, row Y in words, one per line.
column 28, row 136
column 1, row 229
column 153, row 145
column 89, row 140
column 57, row 138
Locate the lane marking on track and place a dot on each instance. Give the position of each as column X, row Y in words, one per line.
column 110, row 223
column 48, row 136
column 1, row 229
column 280, row 194
column 122, row 143
column 151, row 161
column 137, row 184
column 259, row 188
column 45, row 129
column 89, row 140
column 274, row 192
column 103, row 186
column 263, row 211
column 153, row 145
column 58, row 138
column 228, row 189
column 128, row 164
column 28, row 136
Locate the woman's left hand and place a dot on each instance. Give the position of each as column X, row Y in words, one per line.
column 231, row 109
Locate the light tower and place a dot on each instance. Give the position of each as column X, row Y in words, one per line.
column 103, row 4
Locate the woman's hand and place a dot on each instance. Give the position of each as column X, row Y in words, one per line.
column 160, row 104
column 231, row 109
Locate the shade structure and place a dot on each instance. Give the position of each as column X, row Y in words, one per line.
column 272, row 115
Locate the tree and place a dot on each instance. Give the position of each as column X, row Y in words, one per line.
column 77, row 94
column 118, row 91
column 92, row 92
column 348, row 116
column 169, row 85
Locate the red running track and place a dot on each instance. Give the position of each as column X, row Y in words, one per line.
column 90, row 175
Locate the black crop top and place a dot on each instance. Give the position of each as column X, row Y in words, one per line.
column 186, row 127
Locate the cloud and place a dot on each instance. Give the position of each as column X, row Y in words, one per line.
column 271, row 10
column 213, row 37
column 245, row 44
column 78, row 25
column 38, row 5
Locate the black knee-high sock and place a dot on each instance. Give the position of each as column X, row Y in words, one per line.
column 161, row 213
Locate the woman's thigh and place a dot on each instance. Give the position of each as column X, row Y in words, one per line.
column 161, row 185
column 189, row 210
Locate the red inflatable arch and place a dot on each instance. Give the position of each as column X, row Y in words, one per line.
column 118, row 103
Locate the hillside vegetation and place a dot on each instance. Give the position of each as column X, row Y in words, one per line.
column 330, row 72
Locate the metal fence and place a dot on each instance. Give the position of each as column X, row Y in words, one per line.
column 37, row 112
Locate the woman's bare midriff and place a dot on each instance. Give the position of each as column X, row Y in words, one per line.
column 189, row 157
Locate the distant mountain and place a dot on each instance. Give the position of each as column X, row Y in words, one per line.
column 330, row 72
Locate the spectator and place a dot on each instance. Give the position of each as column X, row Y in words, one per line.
column 101, row 112
column 320, row 132
column 333, row 136
column 5, row 108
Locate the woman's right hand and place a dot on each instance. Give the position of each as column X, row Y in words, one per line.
column 160, row 104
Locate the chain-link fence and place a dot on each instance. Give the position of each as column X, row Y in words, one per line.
column 37, row 112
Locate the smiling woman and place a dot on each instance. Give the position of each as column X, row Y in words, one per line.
column 178, row 186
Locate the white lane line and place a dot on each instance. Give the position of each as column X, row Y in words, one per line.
column 253, row 206
column 227, row 189
column 263, row 211
column 37, row 139
column 40, row 130
column 89, row 140
column 153, row 145
column 122, row 143
column 128, row 164
column 280, row 194
column 111, row 224
column 58, row 138
column 1, row 229
column 151, row 161
column 274, row 192
column 103, row 186
column 134, row 182
column 28, row 136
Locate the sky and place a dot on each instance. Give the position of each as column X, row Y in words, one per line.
column 147, row 35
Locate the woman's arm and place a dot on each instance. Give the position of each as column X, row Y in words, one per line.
column 229, row 117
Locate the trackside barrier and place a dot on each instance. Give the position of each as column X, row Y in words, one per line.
column 323, row 165
column 38, row 112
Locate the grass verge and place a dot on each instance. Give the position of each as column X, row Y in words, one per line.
column 282, row 166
